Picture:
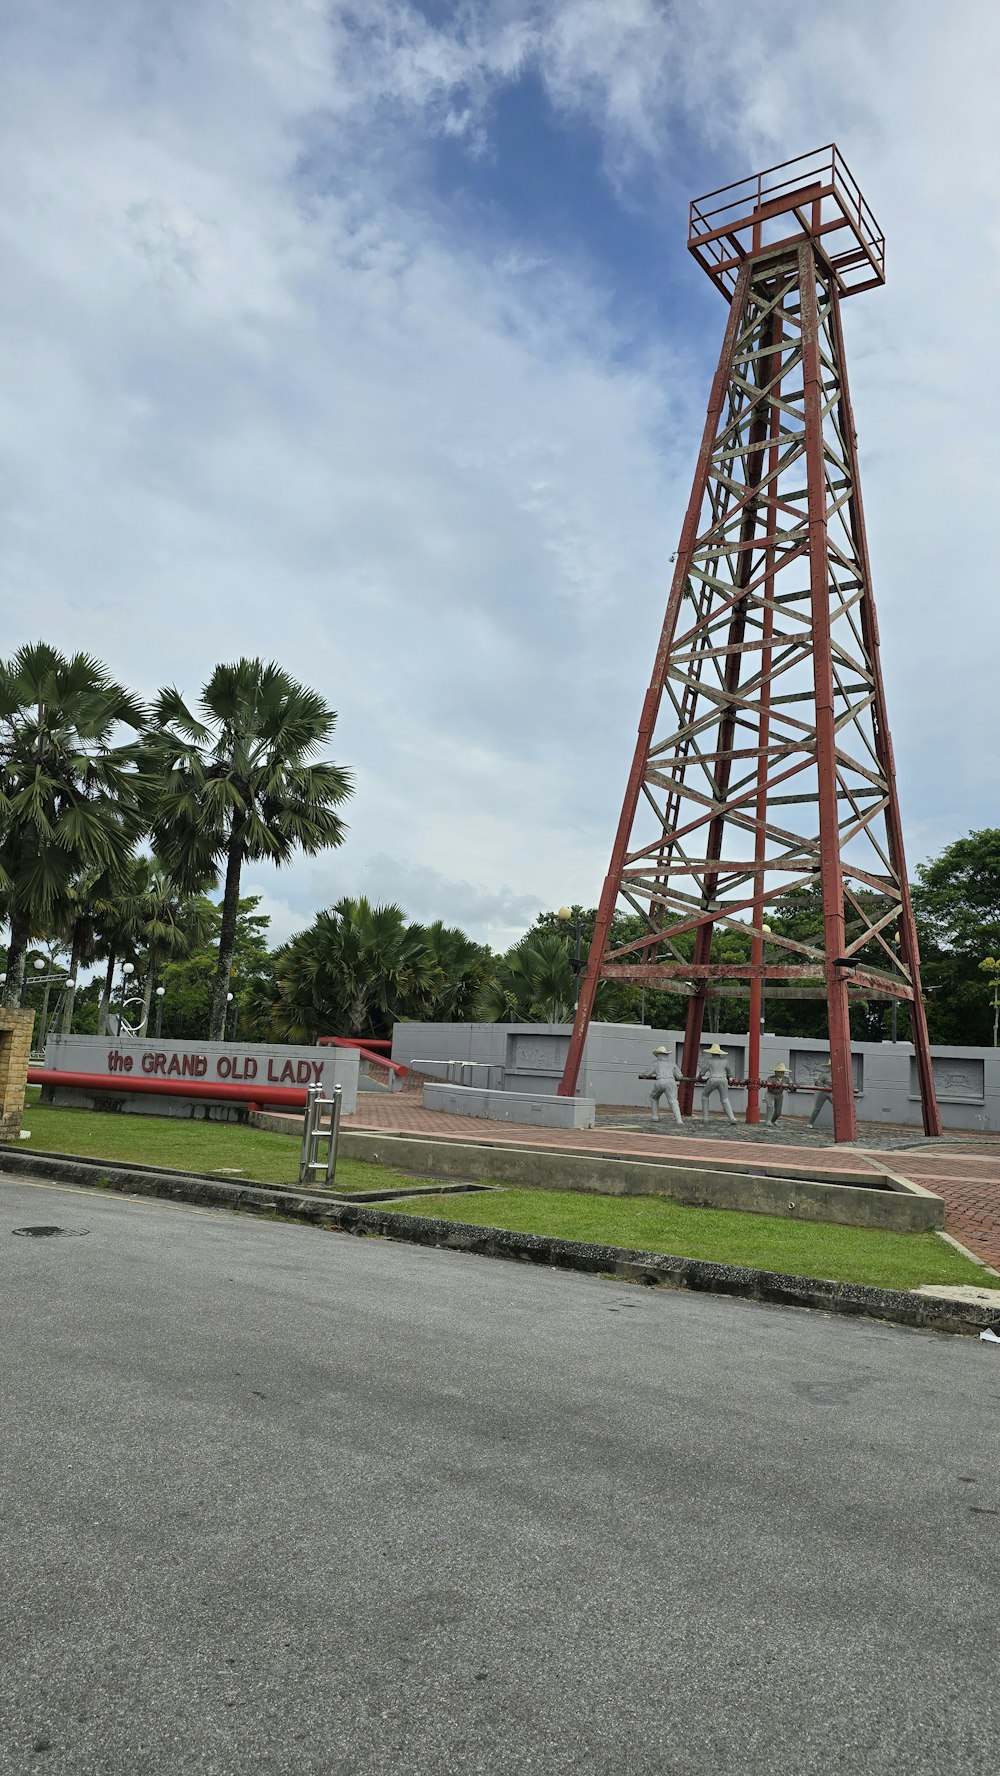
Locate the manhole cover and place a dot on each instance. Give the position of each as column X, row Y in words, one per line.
column 48, row 1232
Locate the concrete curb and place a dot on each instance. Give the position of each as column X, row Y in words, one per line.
column 900, row 1306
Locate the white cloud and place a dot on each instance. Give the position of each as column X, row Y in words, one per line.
column 262, row 396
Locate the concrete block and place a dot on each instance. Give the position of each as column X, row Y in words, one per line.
column 542, row 1109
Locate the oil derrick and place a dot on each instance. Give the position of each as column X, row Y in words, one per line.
column 763, row 764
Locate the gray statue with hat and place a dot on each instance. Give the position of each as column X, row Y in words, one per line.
column 668, row 1077
column 823, row 1084
column 775, row 1087
column 714, row 1078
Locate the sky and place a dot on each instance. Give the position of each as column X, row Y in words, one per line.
column 364, row 337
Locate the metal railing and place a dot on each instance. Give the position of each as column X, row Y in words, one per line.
column 462, row 1072
column 315, row 1130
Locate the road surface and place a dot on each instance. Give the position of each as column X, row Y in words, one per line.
column 289, row 1501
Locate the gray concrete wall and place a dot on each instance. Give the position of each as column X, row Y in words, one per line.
column 234, row 1063
column 532, row 1055
column 542, row 1109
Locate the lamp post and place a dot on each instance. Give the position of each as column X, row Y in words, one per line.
column 225, row 1015
column 565, row 914
column 991, row 967
column 39, row 966
column 128, row 969
column 159, row 1010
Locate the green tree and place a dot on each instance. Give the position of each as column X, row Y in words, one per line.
column 357, row 969
column 70, row 798
column 240, row 783
column 619, row 1002
column 532, row 984
column 170, row 926
column 189, row 984
column 117, row 913
column 461, row 970
column 956, row 899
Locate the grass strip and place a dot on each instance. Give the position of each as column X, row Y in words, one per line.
column 247, row 1155
column 764, row 1242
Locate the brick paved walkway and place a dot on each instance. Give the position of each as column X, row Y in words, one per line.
column 967, row 1177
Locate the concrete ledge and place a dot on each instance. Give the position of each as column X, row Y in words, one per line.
column 543, row 1109
column 870, row 1199
column 654, row 1270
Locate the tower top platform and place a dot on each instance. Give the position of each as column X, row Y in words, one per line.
column 813, row 197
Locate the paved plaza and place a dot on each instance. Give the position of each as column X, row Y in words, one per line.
column 963, row 1171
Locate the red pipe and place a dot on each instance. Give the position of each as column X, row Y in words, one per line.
column 367, row 1054
column 292, row 1096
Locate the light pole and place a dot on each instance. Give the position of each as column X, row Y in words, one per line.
column 765, row 934
column 39, row 966
column 229, row 1001
column 128, row 969
column 48, row 981
column 991, row 967
column 159, row 1010
column 565, row 914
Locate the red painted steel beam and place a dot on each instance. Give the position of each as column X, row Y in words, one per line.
column 831, row 875
column 909, row 949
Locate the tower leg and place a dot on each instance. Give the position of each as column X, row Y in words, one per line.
column 831, row 875
column 651, row 704
column 908, row 946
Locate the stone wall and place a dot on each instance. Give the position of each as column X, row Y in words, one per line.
column 15, row 1053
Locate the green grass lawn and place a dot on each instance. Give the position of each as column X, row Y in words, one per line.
column 645, row 1224
column 765, row 1242
column 250, row 1154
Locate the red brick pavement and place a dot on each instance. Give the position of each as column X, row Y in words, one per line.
column 968, row 1181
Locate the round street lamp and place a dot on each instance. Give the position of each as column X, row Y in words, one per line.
column 159, row 1010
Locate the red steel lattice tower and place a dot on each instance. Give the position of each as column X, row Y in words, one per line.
column 763, row 764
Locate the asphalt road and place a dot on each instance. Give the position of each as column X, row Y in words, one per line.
column 287, row 1501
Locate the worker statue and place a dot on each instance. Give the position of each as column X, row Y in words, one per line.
column 775, row 1087
column 823, row 1084
column 667, row 1078
column 714, row 1077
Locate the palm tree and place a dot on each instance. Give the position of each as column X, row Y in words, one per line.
column 118, row 928
column 238, row 783
column 81, row 926
column 69, row 798
column 354, row 971
column 170, row 925
column 461, row 973
column 533, row 984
